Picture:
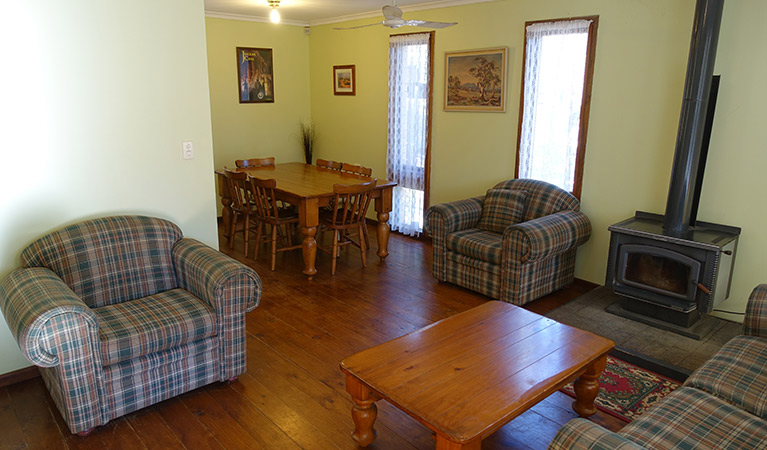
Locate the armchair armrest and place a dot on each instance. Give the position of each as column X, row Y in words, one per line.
column 444, row 219
column 231, row 288
column 214, row 277
column 583, row 434
column 755, row 321
column 545, row 236
column 40, row 309
column 55, row 329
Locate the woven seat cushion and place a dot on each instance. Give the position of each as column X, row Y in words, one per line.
column 478, row 244
column 693, row 419
column 501, row 208
column 151, row 324
column 737, row 374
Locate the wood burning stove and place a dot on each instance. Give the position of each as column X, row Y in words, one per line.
column 670, row 278
column 672, row 267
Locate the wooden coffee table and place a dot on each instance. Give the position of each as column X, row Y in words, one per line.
column 468, row 375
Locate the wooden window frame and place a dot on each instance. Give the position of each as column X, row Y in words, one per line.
column 591, row 50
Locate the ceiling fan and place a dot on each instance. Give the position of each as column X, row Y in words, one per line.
column 393, row 19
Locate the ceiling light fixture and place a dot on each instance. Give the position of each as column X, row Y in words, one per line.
column 274, row 16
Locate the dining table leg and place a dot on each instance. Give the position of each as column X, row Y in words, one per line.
column 383, row 207
column 308, row 220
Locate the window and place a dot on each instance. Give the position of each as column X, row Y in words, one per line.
column 556, row 93
column 407, row 161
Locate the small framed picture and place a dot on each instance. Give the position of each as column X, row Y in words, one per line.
column 344, row 82
column 255, row 75
column 476, row 80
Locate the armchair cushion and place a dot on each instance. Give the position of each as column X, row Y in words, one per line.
column 479, row 244
column 736, row 373
column 501, row 208
column 151, row 324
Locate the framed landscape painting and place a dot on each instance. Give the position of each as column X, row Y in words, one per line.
column 344, row 82
column 255, row 75
column 476, row 80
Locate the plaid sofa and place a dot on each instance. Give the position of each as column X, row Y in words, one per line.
column 123, row 312
column 722, row 405
column 525, row 261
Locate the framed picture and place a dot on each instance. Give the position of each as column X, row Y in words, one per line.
column 344, row 82
column 476, row 80
column 255, row 75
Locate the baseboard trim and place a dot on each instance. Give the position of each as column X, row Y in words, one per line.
column 586, row 284
column 17, row 376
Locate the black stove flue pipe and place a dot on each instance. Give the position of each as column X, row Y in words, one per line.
column 700, row 68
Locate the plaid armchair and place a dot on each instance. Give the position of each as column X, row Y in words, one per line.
column 516, row 244
column 722, row 405
column 123, row 312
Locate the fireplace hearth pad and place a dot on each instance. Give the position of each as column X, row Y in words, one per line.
column 698, row 331
column 667, row 348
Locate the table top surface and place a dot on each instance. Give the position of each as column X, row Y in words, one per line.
column 469, row 374
column 306, row 180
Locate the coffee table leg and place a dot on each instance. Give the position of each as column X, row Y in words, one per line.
column 364, row 411
column 444, row 444
column 587, row 388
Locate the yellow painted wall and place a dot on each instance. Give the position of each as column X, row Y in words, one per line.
column 642, row 49
column 97, row 98
column 251, row 130
column 734, row 187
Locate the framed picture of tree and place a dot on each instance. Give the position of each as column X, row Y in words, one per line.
column 476, row 80
column 255, row 75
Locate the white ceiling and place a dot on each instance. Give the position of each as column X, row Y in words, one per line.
column 318, row 12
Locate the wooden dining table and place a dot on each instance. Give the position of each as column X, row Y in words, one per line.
column 310, row 188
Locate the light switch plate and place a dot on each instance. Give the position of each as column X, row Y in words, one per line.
column 188, row 150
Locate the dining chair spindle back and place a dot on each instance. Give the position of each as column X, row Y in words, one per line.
column 357, row 169
column 269, row 212
column 237, row 185
column 335, row 165
column 351, row 205
column 254, row 162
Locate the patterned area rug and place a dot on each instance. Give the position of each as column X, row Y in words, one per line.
column 626, row 390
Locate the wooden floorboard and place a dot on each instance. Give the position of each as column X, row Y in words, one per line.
column 293, row 395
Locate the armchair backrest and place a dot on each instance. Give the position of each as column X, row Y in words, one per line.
column 542, row 198
column 111, row 259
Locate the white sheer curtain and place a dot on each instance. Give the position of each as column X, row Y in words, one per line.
column 554, row 74
column 408, row 115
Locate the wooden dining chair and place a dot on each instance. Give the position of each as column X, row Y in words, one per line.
column 269, row 212
column 335, row 165
column 254, row 162
column 356, row 169
column 352, row 202
column 239, row 192
column 359, row 170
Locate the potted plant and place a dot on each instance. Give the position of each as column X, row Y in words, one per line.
column 306, row 136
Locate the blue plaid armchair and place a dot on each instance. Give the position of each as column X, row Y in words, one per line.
column 516, row 244
column 123, row 312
